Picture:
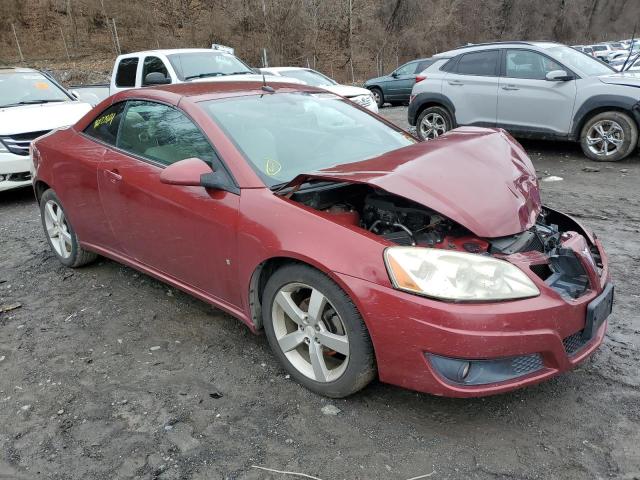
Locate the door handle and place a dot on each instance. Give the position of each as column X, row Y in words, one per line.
column 114, row 175
column 510, row 87
column 455, row 82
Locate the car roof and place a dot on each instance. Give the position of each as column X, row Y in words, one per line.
column 169, row 51
column 490, row 45
column 202, row 91
column 18, row 70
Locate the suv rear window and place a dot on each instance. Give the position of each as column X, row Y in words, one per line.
column 126, row 74
column 484, row 63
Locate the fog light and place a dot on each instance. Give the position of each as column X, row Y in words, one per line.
column 482, row 372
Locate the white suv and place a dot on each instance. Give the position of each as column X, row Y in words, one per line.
column 532, row 89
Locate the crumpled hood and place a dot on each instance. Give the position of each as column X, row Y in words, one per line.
column 629, row 79
column 480, row 178
column 40, row 117
column 347, row 90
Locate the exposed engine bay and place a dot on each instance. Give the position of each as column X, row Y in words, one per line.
column 551, row 243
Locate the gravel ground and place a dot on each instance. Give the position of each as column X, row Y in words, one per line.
column 106, row 373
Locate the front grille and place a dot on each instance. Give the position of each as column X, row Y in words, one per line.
column 574, row 343
column 19, row 144
column 15, row 177
column 526, row 363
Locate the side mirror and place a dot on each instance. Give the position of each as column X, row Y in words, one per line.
column 394, row 74
column 558, row 76
column 75, row 94
column 156, row 78
column 187, row 172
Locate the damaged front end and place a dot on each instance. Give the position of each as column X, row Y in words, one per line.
column 555, row 249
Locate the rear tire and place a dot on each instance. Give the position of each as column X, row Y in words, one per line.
column 60, row 234
column 343, row 360
column 609, row 136
column 378, row 96
column 433, row 122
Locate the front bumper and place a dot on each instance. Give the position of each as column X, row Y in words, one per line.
column 14, row 171
column 406, row 330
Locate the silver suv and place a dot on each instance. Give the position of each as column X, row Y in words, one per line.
column 532, row 89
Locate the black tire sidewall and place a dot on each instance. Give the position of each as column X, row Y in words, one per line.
column 361, row 367
column 440, row 111
column 630, row 134
column 69, row 262
column 379, row 102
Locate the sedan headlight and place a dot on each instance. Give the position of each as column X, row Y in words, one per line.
column 363, row 100
column 456, row 276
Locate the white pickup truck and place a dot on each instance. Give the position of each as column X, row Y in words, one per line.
column 160, row 67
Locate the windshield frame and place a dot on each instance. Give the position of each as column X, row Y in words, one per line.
column 45, row 77
column 276, row 186
column 552, row 52
column 175, row 62
column 287, row 73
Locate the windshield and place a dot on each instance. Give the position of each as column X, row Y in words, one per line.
column 310, row 77
column 285, row 134
column 206, row 64
column 579, row 61
column 23, row 88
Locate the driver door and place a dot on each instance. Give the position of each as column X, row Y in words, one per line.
column 185, row 233
column 401, row 82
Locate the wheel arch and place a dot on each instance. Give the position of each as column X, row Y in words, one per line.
column 268, row 267
column 39, row 188
column 423, row 101
column 604, row 103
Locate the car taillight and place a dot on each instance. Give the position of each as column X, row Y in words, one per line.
column 411, row 97
column 419, row 78
column 34, row 154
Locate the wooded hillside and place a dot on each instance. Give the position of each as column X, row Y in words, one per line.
column 339, row 37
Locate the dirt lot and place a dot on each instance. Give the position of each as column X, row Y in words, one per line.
column 85, row 393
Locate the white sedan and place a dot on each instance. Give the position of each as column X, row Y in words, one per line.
column 358, row 95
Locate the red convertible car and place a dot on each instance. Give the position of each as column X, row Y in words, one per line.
column 360, row 252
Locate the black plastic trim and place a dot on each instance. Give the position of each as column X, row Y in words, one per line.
column 597, row 102
column 422, row 98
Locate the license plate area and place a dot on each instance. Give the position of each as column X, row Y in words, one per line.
column 598, row 310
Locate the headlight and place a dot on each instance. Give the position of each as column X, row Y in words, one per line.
column 456, row 276
column 362, row 99
column 2, row 147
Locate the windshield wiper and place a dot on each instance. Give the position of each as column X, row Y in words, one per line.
column 30, row 102
column 203, row 75
column 244, row 72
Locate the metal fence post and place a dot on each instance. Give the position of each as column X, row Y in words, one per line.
column 17, row 42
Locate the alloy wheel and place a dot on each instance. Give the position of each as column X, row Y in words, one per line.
column 376, row 96
column 432, row 126
column 57, row 229
column 310, row 332
column 605, row 138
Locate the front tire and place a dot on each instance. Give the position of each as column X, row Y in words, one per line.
column 378, row 96
column 316, row 332
column 433, row 122
column 609, row 136
column 60, row 234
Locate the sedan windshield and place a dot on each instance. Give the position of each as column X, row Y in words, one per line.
column 579, row 61
column 310, row 77
column 24, row 88
column 285, row 134
column 206, row 64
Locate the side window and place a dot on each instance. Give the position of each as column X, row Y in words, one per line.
column 105, row 126
column 408, row 69
column 163, row 134
column 126, row 73
column 423, row 65
column 529, row 64
column 151, row 65
column 484, row 63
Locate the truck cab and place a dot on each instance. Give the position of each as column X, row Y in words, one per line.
column 159, row 67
